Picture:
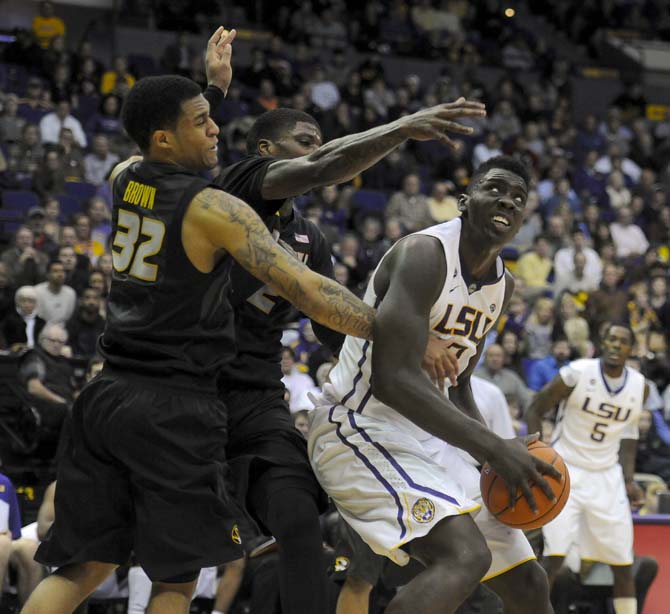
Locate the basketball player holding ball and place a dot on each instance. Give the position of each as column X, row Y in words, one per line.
column 596, row 434
column 377, row 436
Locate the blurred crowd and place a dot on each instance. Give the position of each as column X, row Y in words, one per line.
column 594, row 247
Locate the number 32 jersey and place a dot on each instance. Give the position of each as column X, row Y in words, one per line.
column 164, row 317
column 597, row 415
column 462, row 314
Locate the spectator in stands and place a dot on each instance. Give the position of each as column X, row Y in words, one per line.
column 575, row 327
column 608, row 303
column 178, row 55
column 100, row 161
column 532, row 224
column 85, row 244
column 512, row 346
column 372, row 248
column 7, row 291
column 51, row 124
column 98, row 281
column 33, row 106
column 489, row 148
column 536, row 267
column 55, row 301
column 11, row 124
column 295, row 381
column 504, row 121
column 10, row 524
column 71, row 156
column 52, row 218
column 118, row 79
column 101, row 218
column 49, row 178
column 409, row 205
column 442, row 204
column 575, row 280
column 653, row 446
column 628, row 238
column 564, row 258
column 24, row 51
column 324, row 93
column 86, row 325
column 27, row 266
column 614, row 157
column 68, row 238
column 539, row 329
column 107, row 120
column 508, row 381
column 564, row 197
column 36, row 220
column 24, row 157
column 618, row 194
column 75, row 277
column 541, row 372
column 21, row 327
column 56, row 64
column 46, row 25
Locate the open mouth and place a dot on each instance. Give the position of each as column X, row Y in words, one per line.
column 501, row 221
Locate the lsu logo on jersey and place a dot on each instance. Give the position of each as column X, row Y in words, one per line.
column 470, row 323
column 235, row 535
column 423, row 510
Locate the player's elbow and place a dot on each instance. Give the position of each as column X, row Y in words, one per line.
column 388, row 384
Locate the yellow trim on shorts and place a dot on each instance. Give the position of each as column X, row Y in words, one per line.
column 502, row 571
column 606, row 562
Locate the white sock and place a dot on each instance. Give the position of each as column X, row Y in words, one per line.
column 217, row 612
column 624, row 605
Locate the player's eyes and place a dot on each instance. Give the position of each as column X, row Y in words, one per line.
column 494, row 189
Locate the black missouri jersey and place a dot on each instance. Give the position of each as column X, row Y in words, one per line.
column 164, row 316
column 260, row 314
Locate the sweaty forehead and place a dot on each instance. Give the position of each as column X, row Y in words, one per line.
column 501, row 174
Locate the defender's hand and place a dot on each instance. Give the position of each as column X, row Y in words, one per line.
column 437, row 121
column 517, row 467
column 217, row 59
column 440, row 362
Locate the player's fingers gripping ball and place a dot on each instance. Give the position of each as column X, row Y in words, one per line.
column 496, row 495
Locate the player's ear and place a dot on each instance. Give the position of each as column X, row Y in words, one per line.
column 266, row 148
column 463, row 203
column 160, row 139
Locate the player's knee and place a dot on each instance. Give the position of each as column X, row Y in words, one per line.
column 294, row 515
column 535, row 582
column 472, row 556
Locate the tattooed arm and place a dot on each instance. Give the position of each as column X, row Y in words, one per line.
column 216, row 220
column 342, row 159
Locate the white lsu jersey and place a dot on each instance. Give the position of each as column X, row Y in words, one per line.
column 463, row 314
column 594, row 419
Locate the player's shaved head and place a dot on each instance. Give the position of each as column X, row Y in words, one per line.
column 155, row 103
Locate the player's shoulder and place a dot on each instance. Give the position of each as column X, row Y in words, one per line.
column 582, row 364
column 246, row 168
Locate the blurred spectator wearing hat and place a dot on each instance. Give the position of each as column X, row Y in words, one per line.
column 22, row 326
column 56, row 301
column 27, row 265
column 42, row 241
column 52, row 123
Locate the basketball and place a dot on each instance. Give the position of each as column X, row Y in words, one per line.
column 496, row 496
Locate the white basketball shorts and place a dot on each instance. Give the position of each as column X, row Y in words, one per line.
column 392, row 488
column 596, row 519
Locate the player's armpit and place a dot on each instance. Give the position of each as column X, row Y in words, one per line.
column 544, row 401
column 228, row 223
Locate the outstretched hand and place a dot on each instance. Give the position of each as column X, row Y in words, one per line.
column 436, row 122
column 218, row 57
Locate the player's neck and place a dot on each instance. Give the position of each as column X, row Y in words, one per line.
column 477, row 254
column 612, row 371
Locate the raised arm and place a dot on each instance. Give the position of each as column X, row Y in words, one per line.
column 344, row 158
column 409, row 281
column 216, row 220
column 544, row 401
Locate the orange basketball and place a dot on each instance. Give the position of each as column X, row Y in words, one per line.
column 496, row 496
